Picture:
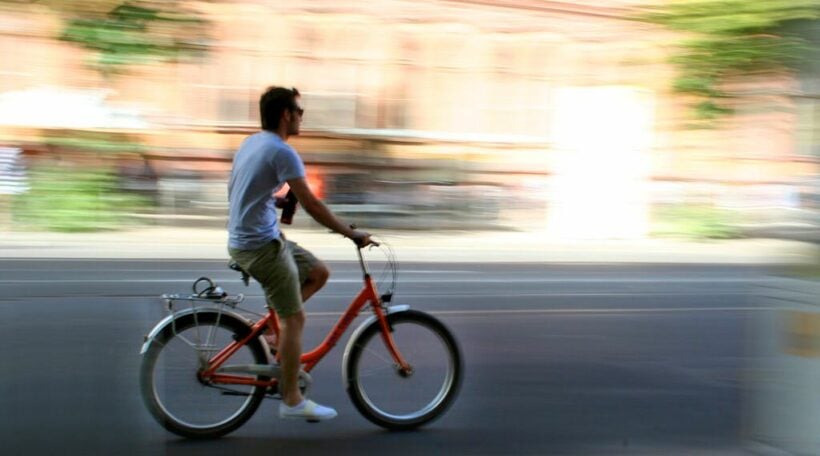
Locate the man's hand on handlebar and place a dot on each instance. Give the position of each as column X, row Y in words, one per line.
column 362, row 238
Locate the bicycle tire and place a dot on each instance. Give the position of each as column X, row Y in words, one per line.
column 391, row 408
column 159, row 406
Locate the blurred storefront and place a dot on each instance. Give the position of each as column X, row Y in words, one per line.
column 552, row 116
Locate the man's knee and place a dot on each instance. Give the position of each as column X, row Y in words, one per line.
column 319, row 274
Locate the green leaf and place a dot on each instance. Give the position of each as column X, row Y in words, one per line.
column 709, row 110
column 696, row 85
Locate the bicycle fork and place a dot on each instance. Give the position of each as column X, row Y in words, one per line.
column 402, row 366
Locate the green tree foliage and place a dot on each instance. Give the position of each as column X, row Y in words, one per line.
column 138, row 33
column 727, row 39
column 75, row 199
column 131, row 32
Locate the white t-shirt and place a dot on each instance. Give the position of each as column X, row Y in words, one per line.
column 260, row 168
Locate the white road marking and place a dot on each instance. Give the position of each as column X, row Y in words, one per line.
column 589, row 311
column 567, row 311
column 502, row 281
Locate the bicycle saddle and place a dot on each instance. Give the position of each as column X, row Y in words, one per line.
column 236, row 267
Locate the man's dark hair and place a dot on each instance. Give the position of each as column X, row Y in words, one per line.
column 273, row 103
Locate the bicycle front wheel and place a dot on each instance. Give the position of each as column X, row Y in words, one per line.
column 394, row 399
column 173, row 390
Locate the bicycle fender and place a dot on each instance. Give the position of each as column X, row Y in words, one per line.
column 360, row 329
column 165, row 322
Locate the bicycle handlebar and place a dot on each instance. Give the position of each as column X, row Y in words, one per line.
column 358, row 242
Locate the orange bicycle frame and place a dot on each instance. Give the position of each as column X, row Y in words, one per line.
column 309, row 360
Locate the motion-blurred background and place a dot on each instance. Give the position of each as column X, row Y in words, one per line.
column 622, row 119
column 561, row 161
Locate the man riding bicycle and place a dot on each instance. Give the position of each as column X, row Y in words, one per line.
column 288, row 273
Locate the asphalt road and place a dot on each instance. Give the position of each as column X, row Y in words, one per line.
column 560, row 359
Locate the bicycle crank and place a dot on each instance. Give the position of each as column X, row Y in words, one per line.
column 268, row 370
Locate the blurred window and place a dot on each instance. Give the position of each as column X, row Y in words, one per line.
column 329, row 110
column 237, row 106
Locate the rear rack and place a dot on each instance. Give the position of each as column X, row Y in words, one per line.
column 206, row 293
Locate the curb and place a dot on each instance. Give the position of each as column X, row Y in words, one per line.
column 454, row 246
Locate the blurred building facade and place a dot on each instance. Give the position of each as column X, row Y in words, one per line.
column 541, row 115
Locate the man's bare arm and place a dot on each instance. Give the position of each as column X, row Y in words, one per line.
column 317, row 209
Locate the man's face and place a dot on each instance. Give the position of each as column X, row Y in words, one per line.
column 295, row 114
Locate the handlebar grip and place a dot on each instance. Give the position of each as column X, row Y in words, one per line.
column 360, row 242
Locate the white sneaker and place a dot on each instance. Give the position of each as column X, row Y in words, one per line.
column 307, row 410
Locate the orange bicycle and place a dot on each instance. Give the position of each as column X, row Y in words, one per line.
column 206, row 368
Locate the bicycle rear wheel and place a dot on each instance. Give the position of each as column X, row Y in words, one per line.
column 390, row 398
column 174, row 393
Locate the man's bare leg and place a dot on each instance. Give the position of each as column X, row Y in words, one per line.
column 294, row 405
column 290, row 350
column 317, row 278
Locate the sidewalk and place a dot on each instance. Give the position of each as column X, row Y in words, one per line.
column 441, row 246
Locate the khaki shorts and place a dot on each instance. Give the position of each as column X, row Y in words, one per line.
column 281, row 267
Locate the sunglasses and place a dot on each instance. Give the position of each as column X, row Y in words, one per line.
column 298, row 110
